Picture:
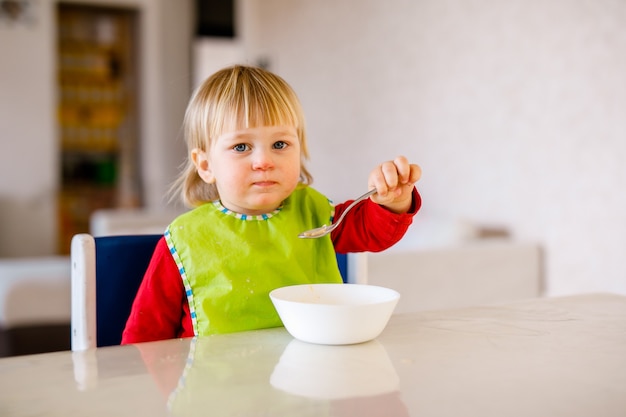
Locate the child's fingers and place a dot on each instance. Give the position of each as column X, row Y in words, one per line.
column 377, row 180
column 403, row 169
column 391, row 174
column 415, row 173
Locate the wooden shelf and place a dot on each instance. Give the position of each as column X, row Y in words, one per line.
column 97, row 115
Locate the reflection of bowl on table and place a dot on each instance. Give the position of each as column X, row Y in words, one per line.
column 335, row 372
column 334, row 314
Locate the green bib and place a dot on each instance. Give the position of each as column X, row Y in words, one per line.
column 229, row 262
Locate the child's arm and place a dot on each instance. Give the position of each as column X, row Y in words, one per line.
column 371, row 227
column 160, row 309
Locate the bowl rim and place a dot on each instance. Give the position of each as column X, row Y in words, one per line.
column 393, row 294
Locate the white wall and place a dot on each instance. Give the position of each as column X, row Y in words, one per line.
column 516, row 111
column 167, row 80
column 29, row 171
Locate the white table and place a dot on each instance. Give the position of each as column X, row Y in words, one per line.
column 541, row 357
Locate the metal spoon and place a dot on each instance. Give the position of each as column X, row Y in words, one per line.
column 326, row 229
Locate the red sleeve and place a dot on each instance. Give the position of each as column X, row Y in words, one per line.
column 160, row 310
column 370, row 227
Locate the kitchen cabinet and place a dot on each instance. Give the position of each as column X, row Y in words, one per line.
column 97, row 114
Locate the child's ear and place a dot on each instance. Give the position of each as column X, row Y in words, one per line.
column 201, row 160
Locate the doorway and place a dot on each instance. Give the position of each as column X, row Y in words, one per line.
column 98, row 114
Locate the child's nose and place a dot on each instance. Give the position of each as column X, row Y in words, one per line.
column 262, row 160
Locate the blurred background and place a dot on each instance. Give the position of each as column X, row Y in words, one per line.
column 515, row 110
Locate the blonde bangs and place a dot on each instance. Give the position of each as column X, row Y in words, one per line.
column 252, row 99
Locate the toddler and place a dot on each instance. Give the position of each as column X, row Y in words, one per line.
column 249, row 188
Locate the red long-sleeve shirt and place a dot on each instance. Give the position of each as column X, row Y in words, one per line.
column 161, row 311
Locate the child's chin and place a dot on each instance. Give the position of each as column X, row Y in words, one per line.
column 263, row 206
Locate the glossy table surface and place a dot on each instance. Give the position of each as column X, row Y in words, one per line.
column 544, row 357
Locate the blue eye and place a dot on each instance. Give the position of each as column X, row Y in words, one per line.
column 280, row 145
column 241, row 147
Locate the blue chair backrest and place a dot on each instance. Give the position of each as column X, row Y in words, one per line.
column 121, row 262
column 342, row 262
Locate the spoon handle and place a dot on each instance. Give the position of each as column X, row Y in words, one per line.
column 326, row 229
column 354, row 203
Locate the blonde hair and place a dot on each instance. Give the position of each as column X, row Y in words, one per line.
column 235, row 98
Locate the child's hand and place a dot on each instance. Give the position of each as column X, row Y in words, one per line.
column 394, row 181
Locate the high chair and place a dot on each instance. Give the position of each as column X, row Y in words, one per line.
column 100, row 307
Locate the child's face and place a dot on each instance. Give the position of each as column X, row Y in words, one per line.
column 254, row 169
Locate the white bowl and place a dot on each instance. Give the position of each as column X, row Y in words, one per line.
column 334, row 314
